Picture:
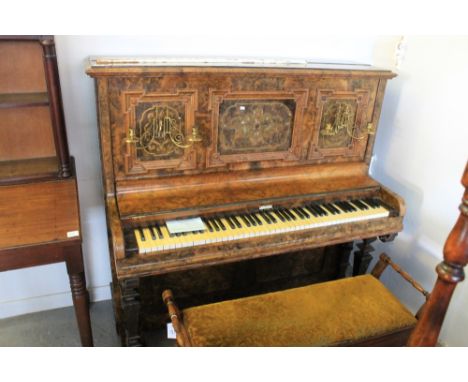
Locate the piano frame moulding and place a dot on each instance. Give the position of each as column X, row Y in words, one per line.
column 273, row 157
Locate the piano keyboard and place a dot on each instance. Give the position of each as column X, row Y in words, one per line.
column 264, row 222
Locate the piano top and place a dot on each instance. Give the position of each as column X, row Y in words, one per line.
column 97, row 65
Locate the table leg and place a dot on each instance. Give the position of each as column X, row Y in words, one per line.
column 74, row 261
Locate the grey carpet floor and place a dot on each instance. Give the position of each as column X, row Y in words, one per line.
column 58, row 328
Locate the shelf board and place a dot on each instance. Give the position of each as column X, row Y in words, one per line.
column 9, row 100
column 25, row 170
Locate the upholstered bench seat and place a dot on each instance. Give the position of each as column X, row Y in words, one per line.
column 351, row 310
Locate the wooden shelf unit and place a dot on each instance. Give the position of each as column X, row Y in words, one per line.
column 39, row 206
column 32, row 124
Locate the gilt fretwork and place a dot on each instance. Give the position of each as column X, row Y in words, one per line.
column 159, row 130
column 337, row 125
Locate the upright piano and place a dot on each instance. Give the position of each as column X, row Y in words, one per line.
column 208, row 165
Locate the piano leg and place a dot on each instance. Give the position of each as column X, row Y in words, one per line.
column 130, row 304
column 345, row 253
column 362, row 257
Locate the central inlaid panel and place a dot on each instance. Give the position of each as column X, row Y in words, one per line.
column 247, row 126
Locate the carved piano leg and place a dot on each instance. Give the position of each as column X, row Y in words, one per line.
column 362, row 258
column 345, row 253
column 130, row 304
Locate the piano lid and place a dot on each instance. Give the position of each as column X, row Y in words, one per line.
column 96, row 63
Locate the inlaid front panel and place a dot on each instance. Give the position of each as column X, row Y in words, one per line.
column 244, row 120
column 256, row 126
column 341, row 127
column 157, row 130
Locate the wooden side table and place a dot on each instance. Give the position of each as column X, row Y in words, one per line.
column 40, row 224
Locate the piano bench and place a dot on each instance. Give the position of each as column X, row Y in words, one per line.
column 352, row 311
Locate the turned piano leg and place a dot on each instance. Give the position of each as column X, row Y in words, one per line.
column 130, row 304
column 363, row 256
column 345, row 253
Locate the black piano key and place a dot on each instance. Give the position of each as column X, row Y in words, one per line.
column 299, row 213
column 245, row 220
column 370, row 202
column 254, row 215
column 329, row 209
column 317, row 209
column 320, row 210
column 251, row 219
column 220, row 223
column 276, row 214
column 265, row 217
column 304, row 212
column 230, row 222
column 236, row 221
column 153, row 236
column 142, row 235
column 342, row 206
column 312, row 211
column 337, row 207
column 159, row 232
column 208, row 224
column 335, row 210
column 359, row 204
column 284, row 214
column 290, row 214
column 353, row 208
column 270, row 215
column 215, row 225
column 325, row 210
column 289, row 211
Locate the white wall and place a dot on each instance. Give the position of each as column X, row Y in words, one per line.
column 421, row 150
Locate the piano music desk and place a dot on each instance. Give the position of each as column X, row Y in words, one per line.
column 39, row 224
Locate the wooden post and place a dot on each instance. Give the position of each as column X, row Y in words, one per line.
column 56, row 108
column 131, row 305
column 450, row 272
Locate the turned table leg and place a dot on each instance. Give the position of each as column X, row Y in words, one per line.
column 75, row 268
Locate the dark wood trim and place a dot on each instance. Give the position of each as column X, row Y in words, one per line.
column 363, row 257
column 12, row 100
column 56, row 107
column 130, row 305
column 39, row 38
column 396, row 338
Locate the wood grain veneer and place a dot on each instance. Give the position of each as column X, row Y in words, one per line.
column 38, row 212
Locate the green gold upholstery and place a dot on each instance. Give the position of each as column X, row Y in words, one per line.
column 316, row 315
